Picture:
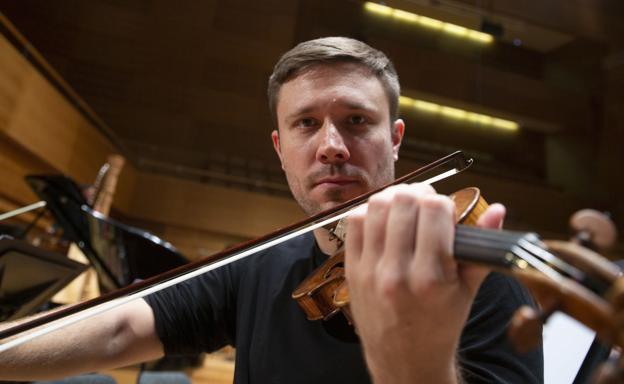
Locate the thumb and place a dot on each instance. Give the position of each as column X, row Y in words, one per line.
column 492, row 217
column 475, row 274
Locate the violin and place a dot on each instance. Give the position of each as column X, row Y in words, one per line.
column 324, row 292
column 562, row 276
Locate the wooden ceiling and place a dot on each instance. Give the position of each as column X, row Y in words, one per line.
column 182, row 84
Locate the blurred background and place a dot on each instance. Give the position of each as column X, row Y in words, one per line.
column 532, row 90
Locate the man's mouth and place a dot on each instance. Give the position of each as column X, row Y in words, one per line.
column 335, row 182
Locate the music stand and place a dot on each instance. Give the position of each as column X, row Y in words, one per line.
column 30, row 276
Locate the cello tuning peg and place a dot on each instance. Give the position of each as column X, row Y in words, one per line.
column 594, row 229
column 525, row 329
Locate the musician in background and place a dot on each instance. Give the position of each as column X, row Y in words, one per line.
column 422, row 317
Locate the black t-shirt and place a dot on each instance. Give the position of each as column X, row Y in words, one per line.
column 248, row 304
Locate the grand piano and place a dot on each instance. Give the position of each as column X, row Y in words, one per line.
column 120, row 254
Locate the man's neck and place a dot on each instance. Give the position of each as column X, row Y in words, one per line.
column 327, row 246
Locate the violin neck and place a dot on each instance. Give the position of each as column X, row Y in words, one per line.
column 487, row 246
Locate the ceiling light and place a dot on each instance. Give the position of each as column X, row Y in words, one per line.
column 458, row 114
column 424, row 21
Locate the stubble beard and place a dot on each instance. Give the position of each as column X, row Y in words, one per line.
column 300, row 189
column 310, row 206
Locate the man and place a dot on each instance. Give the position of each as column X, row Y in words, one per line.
column 335, row 103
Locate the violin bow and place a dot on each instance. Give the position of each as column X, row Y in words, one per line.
column 438, row 170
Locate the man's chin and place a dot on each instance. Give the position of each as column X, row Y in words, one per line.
column 319, row 202
column 336, row 201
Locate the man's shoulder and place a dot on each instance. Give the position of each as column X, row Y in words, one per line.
column 286, row 253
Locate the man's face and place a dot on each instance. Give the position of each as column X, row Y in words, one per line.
column 335, row 138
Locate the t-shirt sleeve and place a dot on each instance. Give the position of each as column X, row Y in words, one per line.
column 485, row 354
column 197, row 315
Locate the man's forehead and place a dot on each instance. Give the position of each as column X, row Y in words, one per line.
column 322, row 70
column 329, row 81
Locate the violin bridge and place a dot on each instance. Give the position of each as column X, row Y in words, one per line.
column 339, row 232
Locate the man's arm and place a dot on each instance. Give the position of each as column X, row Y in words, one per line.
column 119, row 337
column 409, row 297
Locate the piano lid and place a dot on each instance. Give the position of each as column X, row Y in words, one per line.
column 120, row 254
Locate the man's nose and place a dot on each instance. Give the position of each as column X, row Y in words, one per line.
column 332, row 148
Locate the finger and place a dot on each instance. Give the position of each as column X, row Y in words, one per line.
column 435, row 235
column 493, row 217
column 375, row 226
column 401, row 229
column 474, row 274
column 354, row 240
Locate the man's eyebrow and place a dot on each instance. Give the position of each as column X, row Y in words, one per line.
column 346, row 104
column 360, row 106
column 351, row 105
column 302, row 111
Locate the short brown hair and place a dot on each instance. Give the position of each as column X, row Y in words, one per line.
column 331, row 50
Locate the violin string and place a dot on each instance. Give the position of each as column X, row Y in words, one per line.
column 530, row 242
column 490, row 236
column 519, row 244
column 536, row 263
column 549, row 258
column 491, row 245
column 93, row 311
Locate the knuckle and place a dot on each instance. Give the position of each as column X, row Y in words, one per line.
column 391, row 284
column 425, row 286
column 401, row 188
column 356, row 218
column 378, row 202
column 388, row 194
column 425, row 189
column 439, row 203
column 403, row 197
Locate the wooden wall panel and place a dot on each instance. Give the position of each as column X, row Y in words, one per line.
column 42, row 132
column 221, row 210
column 196, row 244
column 46, row 124
column 15, row 163
column 52, row 135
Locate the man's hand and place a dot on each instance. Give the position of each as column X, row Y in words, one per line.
column 409, row 297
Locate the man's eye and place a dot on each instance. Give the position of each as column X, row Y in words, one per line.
column 307, row 122
column 357, row 120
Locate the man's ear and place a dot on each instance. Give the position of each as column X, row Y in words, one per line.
column 398, row 129
column 276, row 145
